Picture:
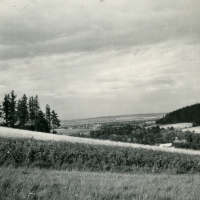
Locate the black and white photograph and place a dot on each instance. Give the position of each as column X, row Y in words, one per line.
column 99, row 100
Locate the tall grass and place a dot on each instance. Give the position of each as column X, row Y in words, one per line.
column 23, row 183
column 18, row 152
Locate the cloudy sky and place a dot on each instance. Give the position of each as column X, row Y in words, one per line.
column 101, row 57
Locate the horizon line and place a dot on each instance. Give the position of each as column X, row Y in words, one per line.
column 112, row 116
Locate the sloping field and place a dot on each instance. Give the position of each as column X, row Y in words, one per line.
column 9, row 132
column 177, row 126
column 195, row 129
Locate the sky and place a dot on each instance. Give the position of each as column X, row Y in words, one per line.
column 101, row 57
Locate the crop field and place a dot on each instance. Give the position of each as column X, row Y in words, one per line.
column 195, row 129
column 18, row 133
column 26, row 183
column 72, row 131
column 20, row 152
column 177, row 126
column 29, row 170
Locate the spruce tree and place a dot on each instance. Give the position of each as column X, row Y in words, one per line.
column 36, row 109
column 12, row 105
column 48, row 116
column 6, row 109
column 31, row 111
column 1, row 114
column 41, row 123
column 55, row 121
column 22, row 112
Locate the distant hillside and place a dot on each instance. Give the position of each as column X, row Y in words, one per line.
column 118, row 118
column 186, row 114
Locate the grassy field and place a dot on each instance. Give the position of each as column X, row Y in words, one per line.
column 18, row 133
column 177, row 126
column 72, row 131
column 20, row 152
column 23, row 183
column 45, row 183
column 195, row 129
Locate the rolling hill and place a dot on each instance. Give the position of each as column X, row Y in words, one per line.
column 186, row 114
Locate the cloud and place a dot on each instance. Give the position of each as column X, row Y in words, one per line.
column 34, row 29
column 90, row 58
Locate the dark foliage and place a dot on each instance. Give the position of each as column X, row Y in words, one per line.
column 120, row 132
column 148, row 136
column 186, row 114
column 26, row 114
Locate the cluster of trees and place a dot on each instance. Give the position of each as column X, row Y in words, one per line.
column 25, row 113
column 133, row 134
column 151, row 136
column 147, row 136
column 120, row 132
column 186, row 114
column 192, row 141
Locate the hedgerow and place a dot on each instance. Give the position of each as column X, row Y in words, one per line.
column 65, row 155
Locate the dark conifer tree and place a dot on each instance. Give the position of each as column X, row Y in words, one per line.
column 41, row 123
column 1, row 114
column 31, row 111
column 12, row 114
column 54, row 120
column 6, row 109
column 36, row 109
column 48, row 116
column 22, row 112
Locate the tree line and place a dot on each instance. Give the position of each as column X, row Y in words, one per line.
column 186, row 114
column 132, row 134
column 146, row 136
column 25, row 113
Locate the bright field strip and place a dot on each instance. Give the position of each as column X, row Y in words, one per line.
column 72, row 131
column 17, row 133
column 195, row 129
column 177, row 126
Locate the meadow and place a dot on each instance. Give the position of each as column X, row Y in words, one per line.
column 177, row 125
column 195, row 129
column 40, row 184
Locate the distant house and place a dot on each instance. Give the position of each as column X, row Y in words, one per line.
column 164, row 131
column 179, row 143
column 165, row 145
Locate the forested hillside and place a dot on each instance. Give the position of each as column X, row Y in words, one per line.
column 186, row 114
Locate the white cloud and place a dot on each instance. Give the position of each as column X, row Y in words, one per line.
column 90, row 58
